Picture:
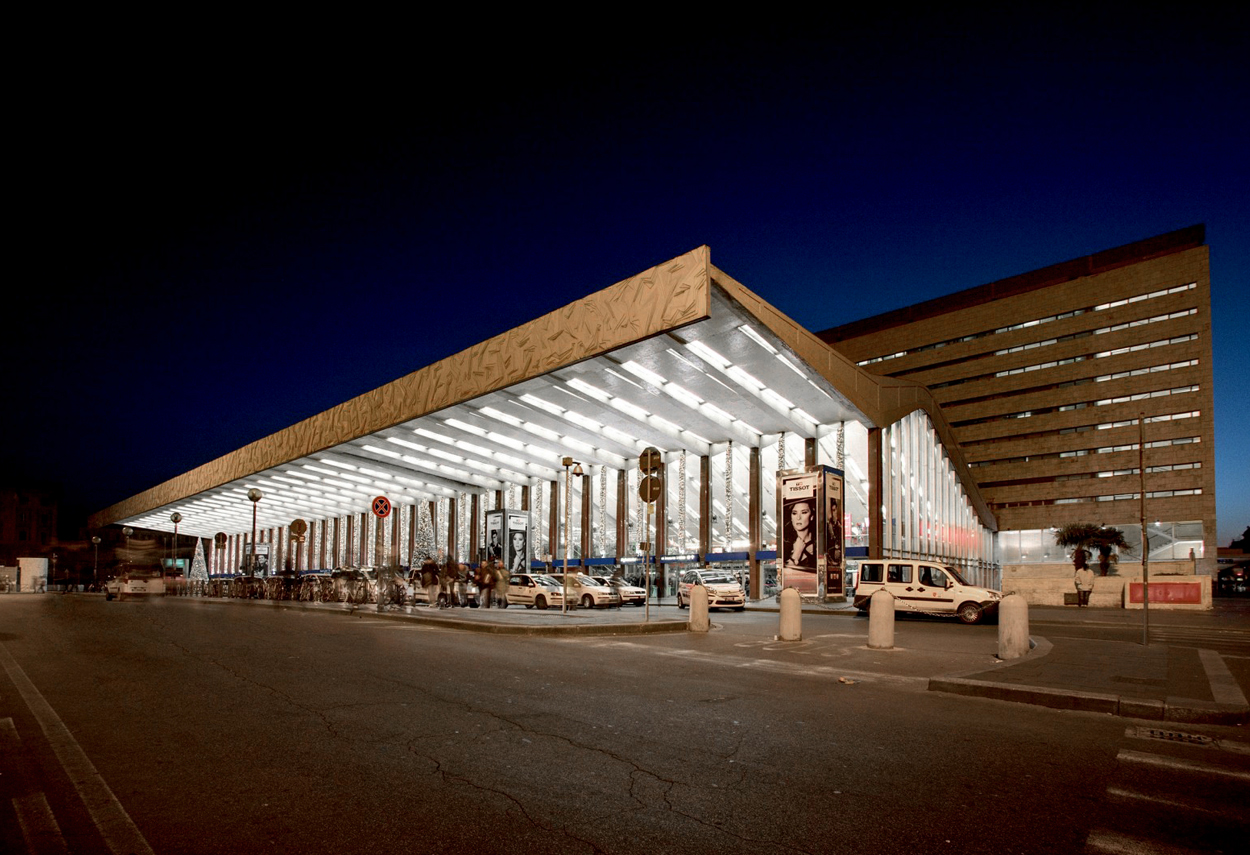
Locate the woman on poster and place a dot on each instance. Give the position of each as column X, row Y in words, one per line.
column 516, row 561
column 800, row 535
column 833, row 534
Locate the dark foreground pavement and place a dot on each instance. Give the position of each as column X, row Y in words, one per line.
column 1163, row 681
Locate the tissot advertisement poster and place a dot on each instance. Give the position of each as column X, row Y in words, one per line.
column 509, row 532
column 798, row 509
column 834, row 510
column 809, row 536
column 494, row 536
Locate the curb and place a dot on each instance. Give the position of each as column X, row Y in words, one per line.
column 369, row 610
column 502, row 629
column 1181, row 710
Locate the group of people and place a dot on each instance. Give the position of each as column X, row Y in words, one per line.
column 446, row 585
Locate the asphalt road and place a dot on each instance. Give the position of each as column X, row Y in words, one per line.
column 213, row 727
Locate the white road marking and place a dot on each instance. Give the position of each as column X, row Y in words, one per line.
column 120, row 833
column 772, row 665
column 1176, row 764
column 43, row 835
column 1224, row 686
column 1112, row 843
column 1122, row 796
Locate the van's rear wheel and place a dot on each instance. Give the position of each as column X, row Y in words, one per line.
column 969, row 613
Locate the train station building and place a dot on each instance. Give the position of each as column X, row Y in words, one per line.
column 964, row 430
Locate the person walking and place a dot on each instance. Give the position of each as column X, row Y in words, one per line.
column 1083, row 579
column 429, row 580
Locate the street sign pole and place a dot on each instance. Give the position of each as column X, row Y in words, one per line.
column 645, row 559
column 649, row 487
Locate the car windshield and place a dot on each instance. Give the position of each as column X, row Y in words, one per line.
column 718, row 579
column 548, row 581
column 955, row 573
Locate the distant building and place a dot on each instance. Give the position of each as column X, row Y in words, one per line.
column 1048, row 380
column 28, row 521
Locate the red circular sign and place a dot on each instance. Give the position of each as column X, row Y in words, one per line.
column 381, row 506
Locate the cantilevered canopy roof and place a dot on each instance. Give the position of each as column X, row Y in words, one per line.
column 678, row 357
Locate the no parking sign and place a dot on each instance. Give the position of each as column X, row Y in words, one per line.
column 381, row 506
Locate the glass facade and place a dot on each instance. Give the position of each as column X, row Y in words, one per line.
column 924, row 510
column 1169, row 541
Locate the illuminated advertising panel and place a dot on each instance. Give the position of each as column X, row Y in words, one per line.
column 508, row 538
column 810, row 508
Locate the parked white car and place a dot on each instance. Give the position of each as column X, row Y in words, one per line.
column 723, row 590
column 135, row 583
column 926, row 588
column 630, row 594
column 534, row 591
column 588, row 592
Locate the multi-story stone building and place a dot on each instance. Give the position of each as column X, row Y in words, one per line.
column 1071, row 390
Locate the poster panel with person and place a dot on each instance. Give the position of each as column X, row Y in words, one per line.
column 835, row 563
column 809, row 532
column 798, row 531
column 495, row 525
column 513, row 529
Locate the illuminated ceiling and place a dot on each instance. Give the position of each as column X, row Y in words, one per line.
column 726, row 377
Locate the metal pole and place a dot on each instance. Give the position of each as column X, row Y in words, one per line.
column 646, row 563
column 175, row 518
column 1145, row 534
column 568, row 490
column 255, row 496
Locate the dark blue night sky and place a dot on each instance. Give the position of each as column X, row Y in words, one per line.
column 217, row 245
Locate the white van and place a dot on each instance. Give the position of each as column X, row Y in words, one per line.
column 926, row 588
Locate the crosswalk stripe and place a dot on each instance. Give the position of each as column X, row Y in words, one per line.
column 1142, row 758
column 119, row 831
column 1224, row 686
column 34, row 815
column 1128, row 797
column 1105, row 842
column 9, row 740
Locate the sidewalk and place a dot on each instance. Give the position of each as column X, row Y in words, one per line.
column 1160, row 682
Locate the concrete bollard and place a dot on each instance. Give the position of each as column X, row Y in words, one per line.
column 1013, row 627
column 881, row 621
column 791, row 616
column 698, row 610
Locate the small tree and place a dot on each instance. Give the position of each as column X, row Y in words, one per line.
column 1085, row 537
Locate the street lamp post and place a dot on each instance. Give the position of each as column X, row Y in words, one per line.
column 95, row 564
column 568, row 521
column 174, row 518
column 127, row 531
column 255, row 496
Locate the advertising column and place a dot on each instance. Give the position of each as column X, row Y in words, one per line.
column 508, row 539
column 835, row 564
column 809, row 538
